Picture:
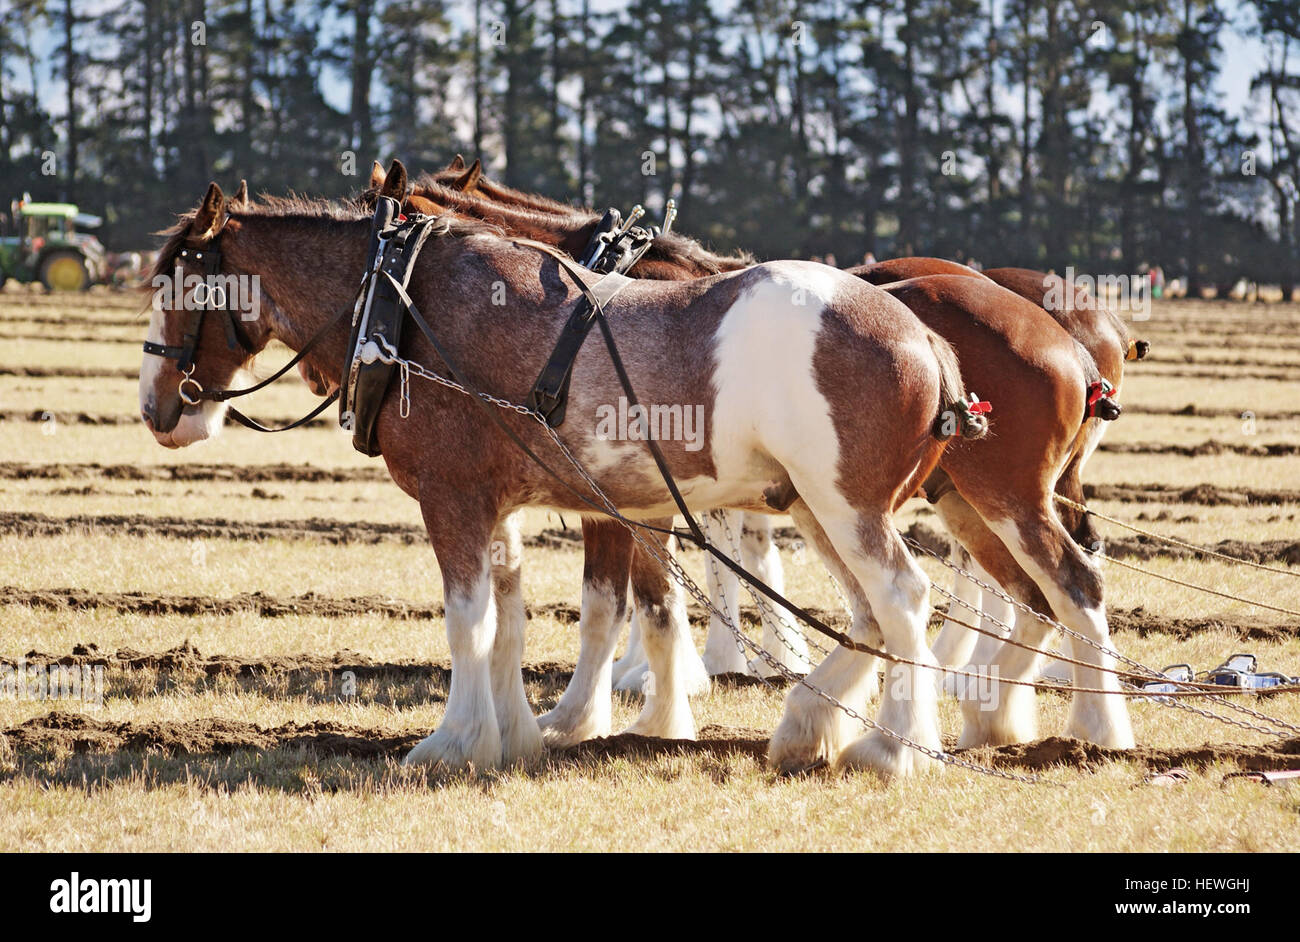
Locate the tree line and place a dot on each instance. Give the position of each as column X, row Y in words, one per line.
column 1031, row 132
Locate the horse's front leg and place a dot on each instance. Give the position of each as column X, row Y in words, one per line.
column 520, row 736
column 469, row 733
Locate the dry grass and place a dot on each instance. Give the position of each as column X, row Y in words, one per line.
column 288, row 798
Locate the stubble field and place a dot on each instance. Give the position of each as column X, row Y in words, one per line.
column 267, row 618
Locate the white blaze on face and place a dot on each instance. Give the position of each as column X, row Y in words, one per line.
column 196, row 423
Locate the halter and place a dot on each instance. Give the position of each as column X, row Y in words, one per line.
column 186, row 351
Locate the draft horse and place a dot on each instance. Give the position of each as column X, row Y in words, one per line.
column 777, row 355
column 996, row 497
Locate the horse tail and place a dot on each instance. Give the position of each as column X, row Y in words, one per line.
column 955, row 416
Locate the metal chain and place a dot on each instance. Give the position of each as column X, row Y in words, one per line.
column 996, row 590
column 734, row 551
column 1176, row 542
column 679, row 574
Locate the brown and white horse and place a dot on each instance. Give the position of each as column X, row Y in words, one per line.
column 776, row 355
column 1000, row 507
column 583, row 712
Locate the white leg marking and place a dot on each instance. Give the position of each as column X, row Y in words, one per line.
column 520, row 736
column 781, row 638
column 1097, row 717
column 584, row 710
column 667, row 711
column 898, row 592
column 812, row 730
column 722, row 655
column 469, row 731
column 629, row 670
column 953, row 646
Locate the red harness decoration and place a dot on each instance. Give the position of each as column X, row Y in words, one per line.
column 978, row 406
column 1096, row 393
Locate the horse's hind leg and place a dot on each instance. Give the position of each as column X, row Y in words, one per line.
column 997, row 713
column 995, row 613
column 648, row 600
column 812, row 730
column 1073, row 587
column 674, row 667
column 781, row 639
column 955, row 643
column 584, row 709
column 520, row 736
column 722, row 654
column 898, row 591
column 631, row 666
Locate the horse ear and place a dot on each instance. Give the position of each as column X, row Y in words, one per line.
column 208, row 218
column 469, row 179
column 240, row 199
column 457, row 163
column 395, row 181
column 376, row 175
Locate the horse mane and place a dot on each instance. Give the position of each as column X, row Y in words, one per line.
column 673, row 248
column 298, row 207
column 174, row 240
column 497, row 192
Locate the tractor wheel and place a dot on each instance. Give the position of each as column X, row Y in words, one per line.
column 64, row 271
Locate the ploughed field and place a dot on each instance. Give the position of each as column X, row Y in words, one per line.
column 266, row 619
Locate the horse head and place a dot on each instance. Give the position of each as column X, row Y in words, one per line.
column 198, row 337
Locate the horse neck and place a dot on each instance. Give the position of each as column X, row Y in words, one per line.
column 499, row 193
column 309, row 270
column 570, row 232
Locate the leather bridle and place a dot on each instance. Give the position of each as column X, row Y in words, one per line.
column 209, row 257
column 184, row 353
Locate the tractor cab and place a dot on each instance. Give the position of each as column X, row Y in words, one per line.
column 43, row 244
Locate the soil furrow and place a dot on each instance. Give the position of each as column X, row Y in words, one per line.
column 352, row 532
column 1244, row 627
column 71, row 732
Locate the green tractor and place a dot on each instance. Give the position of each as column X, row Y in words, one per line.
column 43, row 244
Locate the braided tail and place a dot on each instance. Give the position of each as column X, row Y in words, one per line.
column 955, row 416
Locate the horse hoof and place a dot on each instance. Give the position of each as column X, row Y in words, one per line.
column 561, row 729
column 810, row 734
column 887, row 757
column 1010, row 722
column 454, row 749
column 727, row 661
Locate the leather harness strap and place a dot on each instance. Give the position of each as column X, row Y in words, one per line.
column 183, row 353
column 612, row 249
column 395, row 244
column 550, row 391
